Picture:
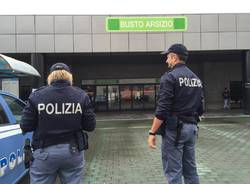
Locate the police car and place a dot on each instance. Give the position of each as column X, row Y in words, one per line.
column 11, row 139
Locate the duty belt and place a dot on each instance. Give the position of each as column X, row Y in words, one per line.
column 43, row 143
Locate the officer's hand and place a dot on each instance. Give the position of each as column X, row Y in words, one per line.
column 151, row 141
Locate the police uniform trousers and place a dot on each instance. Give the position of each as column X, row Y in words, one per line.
column 57, row 160
column 179, row 160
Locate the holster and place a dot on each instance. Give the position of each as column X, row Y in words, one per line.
column 82, row 140
column 180, row 121
column 178, row 131
column 28, row 157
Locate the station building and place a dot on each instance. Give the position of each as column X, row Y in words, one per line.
column 121, row 71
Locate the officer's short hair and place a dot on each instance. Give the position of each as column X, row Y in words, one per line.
column 182, row 58
column 60, row 75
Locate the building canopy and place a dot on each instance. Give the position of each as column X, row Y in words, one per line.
column 10, row 67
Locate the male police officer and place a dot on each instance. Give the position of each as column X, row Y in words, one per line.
column 56, row 114
column 178, row 105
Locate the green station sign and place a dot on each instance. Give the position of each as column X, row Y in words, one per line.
column 126, row 24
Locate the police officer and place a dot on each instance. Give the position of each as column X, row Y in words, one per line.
column 178, row 105
column 56, row 114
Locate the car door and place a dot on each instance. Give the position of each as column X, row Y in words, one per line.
column 11, row 139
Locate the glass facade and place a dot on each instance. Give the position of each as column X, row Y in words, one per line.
column 137, row 96
column 101, row 100
column 119, row 97
column 113, row 97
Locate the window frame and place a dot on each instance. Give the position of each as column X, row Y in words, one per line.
column 10, row 116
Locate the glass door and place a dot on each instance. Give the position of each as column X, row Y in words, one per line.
column 126, row 97
column 123, row 96
column 101, row 100
column 137, row 96
column 90, row 90
column 113, row 98
column 149, row 96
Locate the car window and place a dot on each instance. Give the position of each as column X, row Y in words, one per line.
column 15, row 106
column 3, row 117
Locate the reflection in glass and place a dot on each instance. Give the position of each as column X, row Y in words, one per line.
column 101, row 98
column 138, row 97
column 113, row 97
column 126, row 99
column 15, row 106
column 3, row 116
column 149, row 96
column 90, row 90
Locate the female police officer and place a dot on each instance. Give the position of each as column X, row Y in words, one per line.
column 56, row 114
column 178, row 105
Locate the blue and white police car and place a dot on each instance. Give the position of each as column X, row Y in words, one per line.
column 11, row 139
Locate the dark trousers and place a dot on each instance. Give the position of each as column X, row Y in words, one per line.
column 57, row 160
column 179, row 160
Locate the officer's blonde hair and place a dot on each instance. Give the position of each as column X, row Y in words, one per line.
column 60, row 75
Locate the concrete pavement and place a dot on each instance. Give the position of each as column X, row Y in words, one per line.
column 119, row 153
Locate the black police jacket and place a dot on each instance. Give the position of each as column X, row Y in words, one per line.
column 55, row 112
column 180, row 93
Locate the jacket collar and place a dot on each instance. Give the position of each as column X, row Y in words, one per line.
column 60, row 83
column 177, row 66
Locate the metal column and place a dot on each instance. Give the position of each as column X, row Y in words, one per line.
column 246, row 83
column 37, row 61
